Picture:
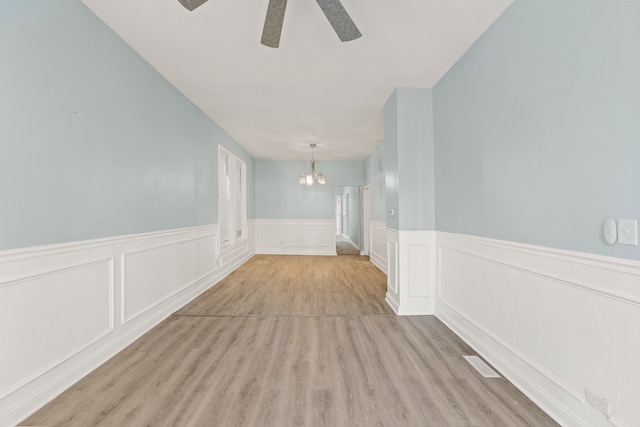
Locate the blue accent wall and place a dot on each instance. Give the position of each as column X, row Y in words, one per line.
column 93, row 141
column 279, row 195
column 415, row 159
column 409, row 157
column 374, row 171
column 537, row 127
column 391, row 180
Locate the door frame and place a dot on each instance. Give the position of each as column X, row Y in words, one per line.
column 366, row 219
column 338, row 215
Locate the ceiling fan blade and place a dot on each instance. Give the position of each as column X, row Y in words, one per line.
column 273, row 23
column 191, row 4
column 339, row 19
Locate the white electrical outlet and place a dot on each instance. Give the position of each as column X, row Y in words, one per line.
column 600, row 403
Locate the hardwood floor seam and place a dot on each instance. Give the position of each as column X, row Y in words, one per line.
column 284, row 316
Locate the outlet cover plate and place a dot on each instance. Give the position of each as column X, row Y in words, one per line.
column 628, row 232
column 600, row 403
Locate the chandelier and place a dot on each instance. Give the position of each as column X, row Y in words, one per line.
column 313, row 176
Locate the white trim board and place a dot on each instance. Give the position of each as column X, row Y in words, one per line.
column 554, row 322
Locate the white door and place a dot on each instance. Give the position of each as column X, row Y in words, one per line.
column 338, row 215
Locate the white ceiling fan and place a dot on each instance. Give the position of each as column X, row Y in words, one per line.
column 334, row 11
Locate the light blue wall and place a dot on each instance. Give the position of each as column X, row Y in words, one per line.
column 409, row 159
column 415, row 159
column 278, row 195
column 374, row 171
column 537, row 127
column 391, row 181
column 93, row 141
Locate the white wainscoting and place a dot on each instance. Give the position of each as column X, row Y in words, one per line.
column 39, row 312
column 378, row 245
column 251, row 229
column 65, row 309
column 554, row 322
column 296, row 237
column 411, row 277
column 170, row 266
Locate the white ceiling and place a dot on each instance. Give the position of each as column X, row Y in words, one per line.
column 313, row 88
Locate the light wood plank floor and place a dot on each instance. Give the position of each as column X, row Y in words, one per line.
column 293, row 341
column 344, row 247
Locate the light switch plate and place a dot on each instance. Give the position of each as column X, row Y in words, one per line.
column 628, row 232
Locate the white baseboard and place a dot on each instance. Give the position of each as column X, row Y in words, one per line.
column 553, row 322
column 519, row 374
column 295, row 250
column 296, row 237
column 68, row 308
column 378, row 262
column 390, row 299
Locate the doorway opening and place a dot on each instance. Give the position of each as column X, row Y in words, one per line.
column 338, row 211
column 348, row 213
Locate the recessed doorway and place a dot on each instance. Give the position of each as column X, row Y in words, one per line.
column 348, row 214
column 338, row 215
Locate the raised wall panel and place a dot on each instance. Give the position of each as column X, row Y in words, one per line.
column 296, row 237
column 554, row 322
column 58, row 307
column 393, row 278
column 230, row 254
column 153, row 274
column 418, row 280
column 39, row 319
column 412, row 292
column 378, row 248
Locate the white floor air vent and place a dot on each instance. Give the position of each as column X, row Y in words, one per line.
column 481, row 367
